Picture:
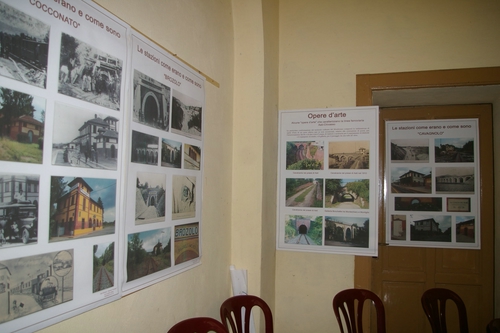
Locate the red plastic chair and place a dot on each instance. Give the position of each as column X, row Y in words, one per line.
column 198, row 325
column 348, row 308
column 493, row 326
column 434, row 304
column 230, row 311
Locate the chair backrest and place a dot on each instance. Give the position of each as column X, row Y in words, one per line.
column 230, row 312
column 434, row 304
column 348, row 309
column 493, row 326
column 198, row 325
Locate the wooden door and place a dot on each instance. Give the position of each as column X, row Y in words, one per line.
column 401, row 274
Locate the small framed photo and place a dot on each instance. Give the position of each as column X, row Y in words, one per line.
column 458, row 204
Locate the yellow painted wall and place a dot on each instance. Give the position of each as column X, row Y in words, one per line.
column 323, row 45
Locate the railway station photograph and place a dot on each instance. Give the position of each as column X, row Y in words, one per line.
column 89, row 74
column 24, row 47
column 349, row 155
column 22, row 126
column 454, row 150
column 410, row 150
column 34, row 283
column 411, row 180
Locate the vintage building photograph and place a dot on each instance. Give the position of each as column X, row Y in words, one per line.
column 151, row 102
column 148, row 252
column 416, row 203
column 410, row 150
column 411, row 180
column 304, row 230
column 144, row 148
column 81, row 207
column 349, row 155
column 19, row 197
column 89, row 74
column 456, row 150
column 24, row 47
column 84, row 139
column 104, row 266
column 192, row 157
column 150, row 197
column 186, row 115
column 32, row 284
column 22, row 118
column 171, row 153
column 305, row 155
column 430, row 228
column 455, row 180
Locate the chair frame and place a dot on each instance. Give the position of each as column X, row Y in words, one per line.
column 230, row 311
column 434, row 303
column 199, row 325
column 493, row 326
column 344, row 308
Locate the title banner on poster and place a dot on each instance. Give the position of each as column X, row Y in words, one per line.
column 100, row 162
column 328, row 185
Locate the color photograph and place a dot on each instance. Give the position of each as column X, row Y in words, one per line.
column 304, row 192
column 349, row 155
column 22, row 118
column 347, row 231
column 81, row 207
column 465, row 229
column 192, row 157
column 186, row 242
column 455, row 180
column 171, row 153
column 304, row 230
column 458, row 150
column 434, row 228
column 347, row 193
column 148, row 252
column 411, row 180
column 304, row 155
column 104, row 267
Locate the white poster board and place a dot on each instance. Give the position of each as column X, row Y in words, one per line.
column 432, row 181
column 328, row 180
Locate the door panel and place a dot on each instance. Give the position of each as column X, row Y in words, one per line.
column 401, row 274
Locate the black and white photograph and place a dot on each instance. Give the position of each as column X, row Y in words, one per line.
column 465, row 228
column 411, row 180
column 192, row 157
column 183, row 197
column 19, row 197
column 151, row 102
column 22, row 125
column 430, row 228
column 32, row 284
column 349, row 155
column 304, row 192
column 84, row 139
column 305, row 155
column 410, row 150
column 148, row 252
column 89, row 74
column 347, row 193
column 457, row 150
column 347, row 231
column 304, row 230
column 171, row 153
column 455, row 180
column 186, row 115
column 150, row 197
column 24, row 47
column 104, row 266
column 144, row 148
column 81, row 208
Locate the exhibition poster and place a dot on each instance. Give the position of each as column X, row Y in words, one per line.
column 328, row 180
column 164, row 165
column 62, row 71
column 432, row 181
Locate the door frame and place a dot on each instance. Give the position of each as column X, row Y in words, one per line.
column 434, row 87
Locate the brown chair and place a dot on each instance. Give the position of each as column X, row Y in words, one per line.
column 230, row 312
column 434, row 304
column 493, row 326
column 348, row 309
column 198, row 325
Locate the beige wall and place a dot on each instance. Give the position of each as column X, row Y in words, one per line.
column 307, row 59
column 323, row 45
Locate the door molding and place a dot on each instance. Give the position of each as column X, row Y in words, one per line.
column 472, row 85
